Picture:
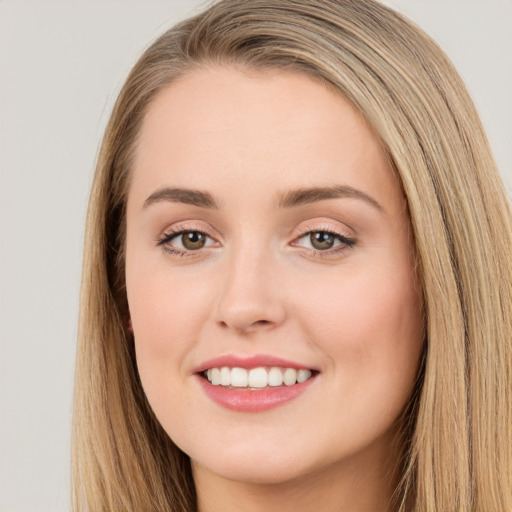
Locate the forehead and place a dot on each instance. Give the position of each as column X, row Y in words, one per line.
column 223, row 127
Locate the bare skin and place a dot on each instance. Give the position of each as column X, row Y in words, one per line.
column 325, row 281
column 337, row 489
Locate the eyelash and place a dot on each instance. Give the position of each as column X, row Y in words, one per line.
column 174, row 233
column 346, row 242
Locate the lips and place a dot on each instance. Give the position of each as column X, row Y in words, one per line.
column 255, row 383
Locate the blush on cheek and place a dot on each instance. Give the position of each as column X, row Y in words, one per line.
column 167, row 317
column 372, row 322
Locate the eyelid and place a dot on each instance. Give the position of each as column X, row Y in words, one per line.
column 323, row 226
column 181, row 227
column 347, row 240
column 176, row 230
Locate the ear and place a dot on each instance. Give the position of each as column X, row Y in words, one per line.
column 128, row 322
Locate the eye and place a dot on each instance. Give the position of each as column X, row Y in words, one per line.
column 325, row 241
column 183, row 241
column 322, row 240
column 191, row 240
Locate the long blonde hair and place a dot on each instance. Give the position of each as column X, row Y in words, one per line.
column 457, row 451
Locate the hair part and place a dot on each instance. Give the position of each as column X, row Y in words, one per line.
column 457, row 426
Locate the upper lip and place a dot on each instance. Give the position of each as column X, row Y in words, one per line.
column 247, row 362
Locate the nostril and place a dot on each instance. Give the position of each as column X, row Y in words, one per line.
column 245, row 326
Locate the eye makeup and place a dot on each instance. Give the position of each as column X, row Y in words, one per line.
column 191, row 241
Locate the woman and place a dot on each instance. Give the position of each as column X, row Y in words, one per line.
column 297, row 281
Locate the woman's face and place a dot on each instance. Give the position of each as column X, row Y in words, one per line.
column 267, row 233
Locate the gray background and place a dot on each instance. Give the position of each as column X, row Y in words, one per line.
column 61, row 66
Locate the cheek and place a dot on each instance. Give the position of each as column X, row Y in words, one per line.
column 164, row 320
column 166, row 315
column 165, row 310
column 370, row 324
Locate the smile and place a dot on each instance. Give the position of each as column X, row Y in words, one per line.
column 256, row 378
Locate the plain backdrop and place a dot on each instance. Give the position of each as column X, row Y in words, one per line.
column 61, row 66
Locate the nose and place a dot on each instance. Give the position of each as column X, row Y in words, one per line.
column 251, row 295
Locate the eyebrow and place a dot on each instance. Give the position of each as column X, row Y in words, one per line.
column 183, row 195
column 296, row 197
column 311, row 195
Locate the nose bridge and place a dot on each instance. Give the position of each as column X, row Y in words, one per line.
column 249, row 295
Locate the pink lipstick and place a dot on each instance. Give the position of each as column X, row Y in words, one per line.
column 253, row 384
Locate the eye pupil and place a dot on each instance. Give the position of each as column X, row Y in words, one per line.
column 322, row 240
column 193, row 240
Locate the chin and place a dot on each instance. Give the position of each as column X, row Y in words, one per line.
column 258, row 471
column 258, row 463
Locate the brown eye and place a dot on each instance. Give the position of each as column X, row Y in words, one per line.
column 193, row 240
column 321, row 240
column 185, row 242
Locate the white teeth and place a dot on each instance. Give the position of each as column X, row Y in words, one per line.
column 275, row 377
column 239, row 378
column 303, row 375
column 290, row 376
column 215, row 376
column 256, row 377
column 225, row 376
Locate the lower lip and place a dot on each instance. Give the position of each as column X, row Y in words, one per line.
column 250, row 400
